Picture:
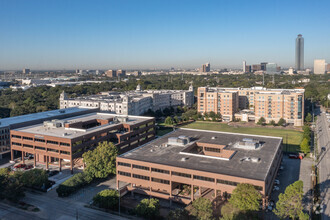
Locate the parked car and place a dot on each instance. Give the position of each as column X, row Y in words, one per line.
column 277, row 182
column 21, row 165
column 296, row 156
column 281, row 168
column 27, row 167
column 276, row 188
column 322, row 148
column 53, row 173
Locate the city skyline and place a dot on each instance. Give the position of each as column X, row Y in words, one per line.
column 121, row 35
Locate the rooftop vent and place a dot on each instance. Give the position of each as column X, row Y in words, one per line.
column 184, row 158
column 248, row 144
column 213, row 138
column 179, row 141
column 255, row 159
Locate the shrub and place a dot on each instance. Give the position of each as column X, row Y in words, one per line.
column 261, row 121
column 107, row 199
column 148, row 208
column 36, row 178
column 281, row 122
column 272, row 122
column 74, row 183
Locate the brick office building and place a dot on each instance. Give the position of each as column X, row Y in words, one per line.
column 67, row 139
column 202, row 161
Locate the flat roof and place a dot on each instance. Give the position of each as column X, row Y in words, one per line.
column 71, row 133
column 4, row 122
column 157, row 152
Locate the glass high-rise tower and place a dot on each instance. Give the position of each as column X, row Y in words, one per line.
column 299, row 52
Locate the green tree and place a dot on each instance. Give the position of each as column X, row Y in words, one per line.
column 10, row 186
column 245, row 197
column 148, row 208
column 304, row 146
column 101, row 161
column 202, row 209
column 306, row 132
column 178, row 214
column 289, row 204
column 308, row 118
column 34, row 178
column 281, row 122
column 169, row 121
column 107, row 199
column 261, row 121
column 272, row 122
column 177, row 119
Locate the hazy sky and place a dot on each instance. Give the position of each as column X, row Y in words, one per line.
column 95, row 34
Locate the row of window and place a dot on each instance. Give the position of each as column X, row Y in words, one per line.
column 137, row 176
column 212, row 149
column 40, row 140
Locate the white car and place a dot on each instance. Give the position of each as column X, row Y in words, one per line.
column 276, row 188
column 277, row 182
column 281, row 168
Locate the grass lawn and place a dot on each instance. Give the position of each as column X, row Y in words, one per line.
column 291, row 138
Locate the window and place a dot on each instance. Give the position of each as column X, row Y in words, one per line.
column 124, row 173
column 226, row 182
column 211, row 149
column 181, row 174
column 39, row 140
column 27, row 145
column 140, row 167
column 160, row 170
column 65, row 152
column 16, row 136
column 141, row 177
column 52, row 150
column 160, row 181
column 203, row 178
column 52, row 142
column 18, row 144
column 28, row 138
column 124, row 164
column 40, row 148
column 64, row 144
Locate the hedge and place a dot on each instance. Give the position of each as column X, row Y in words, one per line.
column 74, row 183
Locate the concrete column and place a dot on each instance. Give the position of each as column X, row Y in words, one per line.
column 170, row 193
column 71, row 166
column 192, row 192
column 34, row 160
column 200, row 190
column 23, row 157
column 12, row 154
column 47, row 165
column 60, row 163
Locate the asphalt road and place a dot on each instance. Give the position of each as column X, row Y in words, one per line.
column 323, row 139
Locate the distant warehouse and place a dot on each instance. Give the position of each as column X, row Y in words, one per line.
column 188, row 163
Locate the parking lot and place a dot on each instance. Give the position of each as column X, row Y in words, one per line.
column 293, row 170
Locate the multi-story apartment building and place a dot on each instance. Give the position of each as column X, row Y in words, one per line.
column 188, row 163
column 218, row 101
column 271, row 104
column 6, row 124
column 53, row 142
column 132, row 102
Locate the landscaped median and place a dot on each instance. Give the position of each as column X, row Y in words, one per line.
column 291, row 138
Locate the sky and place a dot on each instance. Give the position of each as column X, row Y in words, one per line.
column 138, row 34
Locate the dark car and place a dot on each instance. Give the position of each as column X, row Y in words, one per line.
column 53, row 173
column 322, row 148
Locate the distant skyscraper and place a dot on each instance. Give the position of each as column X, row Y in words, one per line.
column 299, row 52
column 263, row 66
column 244, row 66
column 271, row 68
column 319, row 66
column 206, row 67
column 26, row 71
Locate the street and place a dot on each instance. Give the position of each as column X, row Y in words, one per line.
column 53, row 207
column 323, row 140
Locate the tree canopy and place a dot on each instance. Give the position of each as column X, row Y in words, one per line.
column 148, row 208
column 245, row 197
column 101, row 161
column 289, row 203
column 202, row 209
